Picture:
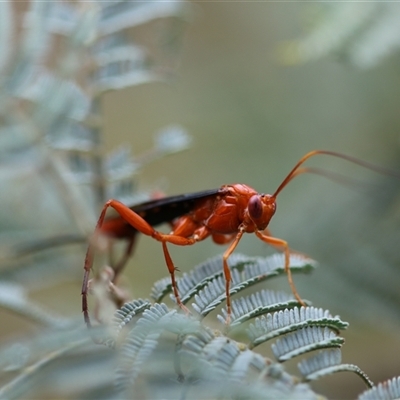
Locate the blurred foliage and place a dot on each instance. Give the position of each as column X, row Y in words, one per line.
column 61, row 62
column 63, row 69
column 160, row 353
column 362, row 34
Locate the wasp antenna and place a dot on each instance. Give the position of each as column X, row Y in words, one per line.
column 297, row 170
column 335, row 177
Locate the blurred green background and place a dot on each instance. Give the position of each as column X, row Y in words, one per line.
column 252, row 118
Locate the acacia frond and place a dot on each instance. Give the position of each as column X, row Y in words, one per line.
column 226, row 365
column 213, row 294
column 142, row 340
column 305, row 340
column 246, row 271
column 388, row 390
column 282, row 322
column 328, row 362
column 124, row 315
column 191, row 282
column 197, row 363
column 261, row 302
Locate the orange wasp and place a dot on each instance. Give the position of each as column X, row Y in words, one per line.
column 225, row 214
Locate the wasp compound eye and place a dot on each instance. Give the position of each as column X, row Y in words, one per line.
column 255, row 207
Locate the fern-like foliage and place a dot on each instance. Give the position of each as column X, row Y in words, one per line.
column 389, row 390
column 246, row 272
column 160, row 345
column 160, row 352
column 196, row 361
column 328, row 362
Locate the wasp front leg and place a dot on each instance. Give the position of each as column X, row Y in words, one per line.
column 227, row 274
column 283, row 245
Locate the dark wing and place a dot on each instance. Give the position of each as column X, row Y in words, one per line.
column 156, row 212
column 166, row 209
